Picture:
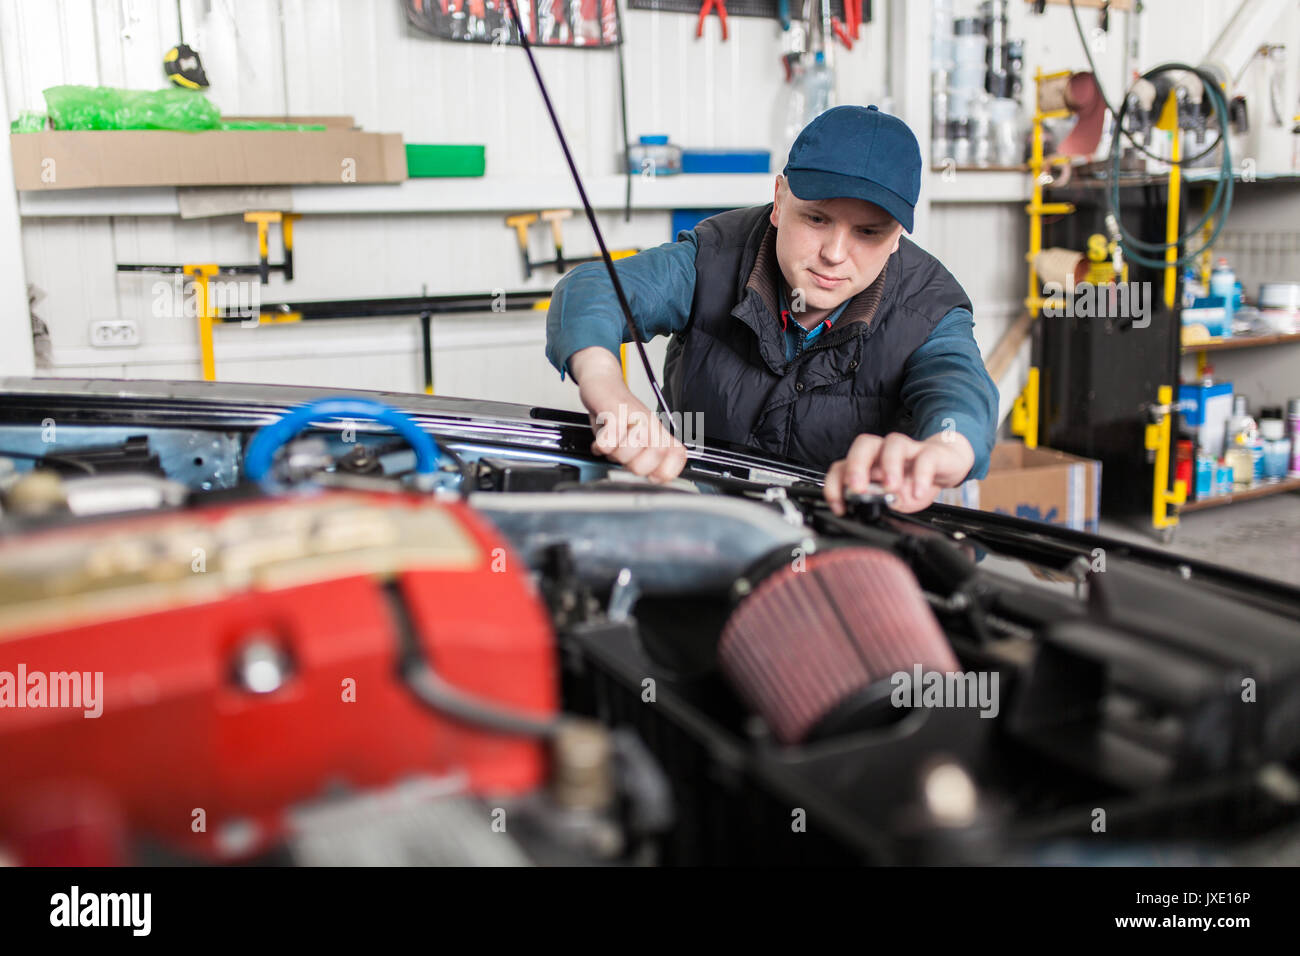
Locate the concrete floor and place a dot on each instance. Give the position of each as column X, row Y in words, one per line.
column 1261, row 537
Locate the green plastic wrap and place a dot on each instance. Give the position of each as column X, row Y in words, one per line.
column 104, row 107
column 29, row 121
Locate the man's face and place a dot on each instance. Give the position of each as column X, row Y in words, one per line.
column 831, row 249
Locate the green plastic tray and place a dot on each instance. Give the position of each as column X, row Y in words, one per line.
column 425, row 160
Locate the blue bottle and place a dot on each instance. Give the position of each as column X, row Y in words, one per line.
column 1205, row 466
column 1223, row 282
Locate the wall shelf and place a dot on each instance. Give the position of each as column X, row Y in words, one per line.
column 1240, row 342
column 452, row 195
column 1263, row 491
column 977, row 184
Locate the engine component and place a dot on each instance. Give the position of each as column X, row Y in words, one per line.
column 133, row 455
column 38, row 492
column 671, row 543
column 201, row 641
column 110, row 494
column 501, row 474
column 263, row 445
column 812, row 648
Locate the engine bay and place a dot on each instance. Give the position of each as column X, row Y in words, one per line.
column 372, row 629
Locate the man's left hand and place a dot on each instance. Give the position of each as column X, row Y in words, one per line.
column 913, row 471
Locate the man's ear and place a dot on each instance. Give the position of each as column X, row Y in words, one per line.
column 898, row 237
column 776, row 201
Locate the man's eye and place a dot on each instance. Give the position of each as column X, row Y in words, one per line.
column 812, row 218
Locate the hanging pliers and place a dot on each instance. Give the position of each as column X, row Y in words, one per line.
column 721, row 7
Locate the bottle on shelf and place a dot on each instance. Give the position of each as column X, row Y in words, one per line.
column 1277, row 449
column 1223, row 283
column 1241, row 421
column 1222, row 477
column 1242, row 463
column 1205, row 475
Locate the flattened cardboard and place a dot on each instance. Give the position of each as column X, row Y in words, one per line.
column 329, row 122
column 71, row 159
column 1035, row 483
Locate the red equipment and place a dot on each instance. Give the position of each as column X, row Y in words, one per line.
column 250, row 665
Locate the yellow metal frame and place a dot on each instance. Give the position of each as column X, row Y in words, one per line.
column 1024, row 413
column 1169, row 121
column 1037, row 209
column 1158, row 437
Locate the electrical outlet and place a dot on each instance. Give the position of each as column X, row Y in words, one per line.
column 113, row 333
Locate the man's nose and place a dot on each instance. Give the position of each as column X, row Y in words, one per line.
column 836, row 245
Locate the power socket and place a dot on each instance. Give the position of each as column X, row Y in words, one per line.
column 114, row 333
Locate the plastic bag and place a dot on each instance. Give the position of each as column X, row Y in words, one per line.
column 105, row 107
column 29, row 121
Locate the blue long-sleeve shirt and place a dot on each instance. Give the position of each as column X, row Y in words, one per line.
column 944, row 386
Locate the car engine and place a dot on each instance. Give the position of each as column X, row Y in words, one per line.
column 249, row 625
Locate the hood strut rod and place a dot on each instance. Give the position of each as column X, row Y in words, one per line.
column 591, row 218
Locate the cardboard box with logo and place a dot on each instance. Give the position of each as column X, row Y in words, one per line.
column 1035, row 483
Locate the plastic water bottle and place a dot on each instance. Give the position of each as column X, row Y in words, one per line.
column 1223, row 282
column 819, row 88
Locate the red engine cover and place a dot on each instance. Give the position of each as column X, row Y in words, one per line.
column 181, row 742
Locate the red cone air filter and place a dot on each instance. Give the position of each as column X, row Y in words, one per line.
column 828, row 638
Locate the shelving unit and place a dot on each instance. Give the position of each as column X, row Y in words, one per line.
column 1261, row 491
column 1199, row 349
column 1146, row 197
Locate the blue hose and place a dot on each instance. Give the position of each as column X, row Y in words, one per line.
column 270, row 438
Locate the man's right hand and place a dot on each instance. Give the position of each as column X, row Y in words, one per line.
column 625, row 430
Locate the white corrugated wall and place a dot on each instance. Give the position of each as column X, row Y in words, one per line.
column 359, row 57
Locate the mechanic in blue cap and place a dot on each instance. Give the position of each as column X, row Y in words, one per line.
column 810, row 328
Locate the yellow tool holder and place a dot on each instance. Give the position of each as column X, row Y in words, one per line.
column 202, row 274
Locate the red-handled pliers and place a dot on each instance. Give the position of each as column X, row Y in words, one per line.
column 721, row 7
column 842, row 32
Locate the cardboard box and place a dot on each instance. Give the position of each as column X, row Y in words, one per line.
column 1039, row 484
column 71, row 159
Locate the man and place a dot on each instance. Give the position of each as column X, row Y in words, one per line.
column 809, row 328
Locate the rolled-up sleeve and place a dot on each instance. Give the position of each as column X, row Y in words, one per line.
column 946, row 386
column 659, row 284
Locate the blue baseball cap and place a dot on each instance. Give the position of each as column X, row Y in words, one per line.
column 858, row 152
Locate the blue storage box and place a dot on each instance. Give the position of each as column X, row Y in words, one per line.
column 726, row 161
